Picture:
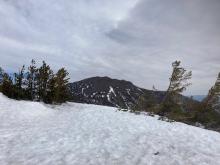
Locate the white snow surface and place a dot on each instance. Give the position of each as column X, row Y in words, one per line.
column 75, row 134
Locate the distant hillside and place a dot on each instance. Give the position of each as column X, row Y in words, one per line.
column 111, row 92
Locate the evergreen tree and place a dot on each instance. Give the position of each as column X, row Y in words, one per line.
column 19, row 77
column 213, row 99
column 208, row 111
column 50, row 98
column 7, row 86
column 1, row 74
column 178, row 84
column 31, row 77
column 61, row 86
column 43, row 77
column 1, row 78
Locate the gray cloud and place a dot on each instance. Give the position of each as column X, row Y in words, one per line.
column 126, row 39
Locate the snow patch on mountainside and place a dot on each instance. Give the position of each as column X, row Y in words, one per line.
column 78, row 134
column 111, row 90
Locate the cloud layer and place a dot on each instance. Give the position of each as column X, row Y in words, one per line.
column 136, row 40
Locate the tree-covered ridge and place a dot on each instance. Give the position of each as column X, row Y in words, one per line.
column 36, row 84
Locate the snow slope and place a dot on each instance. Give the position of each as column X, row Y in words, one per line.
column 34, row 133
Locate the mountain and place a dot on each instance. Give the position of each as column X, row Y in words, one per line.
column 106, row 91
column 111, row 92
column 79, row 134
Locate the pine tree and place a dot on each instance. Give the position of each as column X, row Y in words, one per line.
column 31, row 77
column 43, row 76
column 178, row 84
column 1, row 78
column 7, row 86
column 19, row 77
column 50, row 98
column 1, row 74
column 61, row 86
column 213, row 99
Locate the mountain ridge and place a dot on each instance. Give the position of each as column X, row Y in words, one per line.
column 110, row 92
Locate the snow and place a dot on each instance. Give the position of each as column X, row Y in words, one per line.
column 78, row 134
column 109, row 93
column 140, row 89
column 108, row 97
column 128, row 91
column 111, row 90
column 83, row 90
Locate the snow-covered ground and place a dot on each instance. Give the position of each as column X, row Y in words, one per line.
column 77, row 134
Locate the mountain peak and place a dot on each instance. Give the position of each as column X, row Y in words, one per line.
column 106, row 91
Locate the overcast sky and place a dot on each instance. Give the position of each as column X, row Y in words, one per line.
column 135, row 40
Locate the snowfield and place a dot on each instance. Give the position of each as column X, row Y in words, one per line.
column 76, row 134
